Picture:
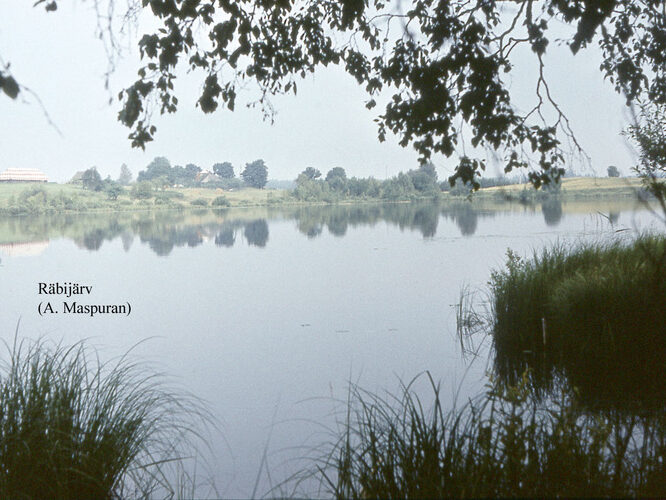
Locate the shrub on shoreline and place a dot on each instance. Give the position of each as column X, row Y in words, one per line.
column 221, row 201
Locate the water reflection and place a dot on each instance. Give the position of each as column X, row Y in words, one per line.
column 163, row 231
column 226, row 237
column 466, row 218
column 424, row 218
column 27, row 249
column 552, row 212
column 259, row 356
column 256, row 232
column 127, row 238
column 615, row 377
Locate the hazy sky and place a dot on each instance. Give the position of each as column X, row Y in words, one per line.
column 58, row 57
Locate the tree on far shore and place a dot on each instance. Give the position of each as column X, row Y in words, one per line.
column 613, row 171
column 125, row 176
column 311, row 173
column 255, row 174
column 224, row 170
column 91, row 179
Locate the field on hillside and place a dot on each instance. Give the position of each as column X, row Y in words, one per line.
column 580, row 187
column 238, row 197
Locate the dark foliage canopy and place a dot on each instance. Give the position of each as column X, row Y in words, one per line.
column 613, row 171
column 445, row 64
column 255, row 174
column 191, row 170
column 224, row 170
column 311, row 173
column 160, row 169
column 336, row 172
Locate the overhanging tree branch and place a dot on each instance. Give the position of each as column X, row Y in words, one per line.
column 445, row 65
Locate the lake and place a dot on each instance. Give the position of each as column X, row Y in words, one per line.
column 268, row 314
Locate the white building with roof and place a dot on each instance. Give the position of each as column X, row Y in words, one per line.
column 23, row 175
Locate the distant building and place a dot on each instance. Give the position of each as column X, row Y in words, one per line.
column 23, row 175
column 206, row 176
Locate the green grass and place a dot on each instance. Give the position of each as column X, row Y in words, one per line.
column 571, row 189
column 73, row 427
column 32, row 198
column 594, row 312
column 502, row 444
column 9, row 189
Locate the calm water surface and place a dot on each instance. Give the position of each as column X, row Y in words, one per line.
column 268, row 314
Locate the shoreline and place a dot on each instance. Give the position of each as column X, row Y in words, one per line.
column 52, row 198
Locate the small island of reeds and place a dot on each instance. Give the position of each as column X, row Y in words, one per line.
column 594, row 312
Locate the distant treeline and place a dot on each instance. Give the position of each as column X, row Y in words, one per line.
column 159, row 173
column 221, row 175
column 419, row 183
column 310, row 185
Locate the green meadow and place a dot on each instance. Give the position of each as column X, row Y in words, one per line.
column 30, row 198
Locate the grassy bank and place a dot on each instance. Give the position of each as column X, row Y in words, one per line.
column 570, row 189
column 72, row 427
column 27, row 198
column 502, row 444
column 594, row 313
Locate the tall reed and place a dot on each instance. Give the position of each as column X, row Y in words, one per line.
column 72, row 426
column 504, row 443
column 596, row 312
